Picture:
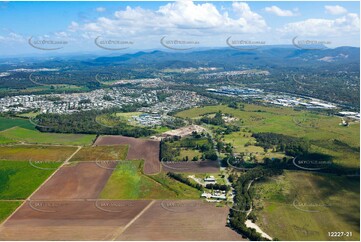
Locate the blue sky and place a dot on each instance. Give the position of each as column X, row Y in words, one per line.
column 144, row 23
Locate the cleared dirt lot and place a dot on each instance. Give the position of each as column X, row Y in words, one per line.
column 81, row 180
column 181, row 220
column 192, row 167
column 184, row 131
column 139, row 149
column 70, row 220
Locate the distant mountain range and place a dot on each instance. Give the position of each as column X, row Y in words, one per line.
column 272, row 56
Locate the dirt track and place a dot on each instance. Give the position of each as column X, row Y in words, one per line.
column 139, row 149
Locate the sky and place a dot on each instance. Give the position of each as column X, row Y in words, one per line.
column 30, row 28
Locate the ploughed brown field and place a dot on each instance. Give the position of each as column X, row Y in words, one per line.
column 81, row 180
column 70, row 220
column 191, row 166
column 139, row 149
column 181, row 220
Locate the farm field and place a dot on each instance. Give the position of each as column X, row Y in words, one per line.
column 36, row 152
column 36, row 137
column 7, row 207
column 309, row 205
column 6, row 123
column 76, row 181
column 181, row 220
column 70, row 220
column 19, row 178
column 128, row 182
column 99, row 153
column 321, row 130
column 139, row 149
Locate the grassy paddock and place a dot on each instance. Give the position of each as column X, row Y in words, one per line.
column 36, row 152
column 111, row 152
column 308, row 205
column 20, row 178
column 128, row 182
column 321, row 130
column 18, row 134
column 7, row 208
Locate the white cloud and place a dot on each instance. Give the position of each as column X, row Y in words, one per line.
column 335, row 10
column 100, row 9
column 348, row 24
column 177, row 18
column 280, row 12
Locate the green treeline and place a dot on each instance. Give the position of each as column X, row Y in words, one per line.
column 86, row 123
column 243, row 200
column 290, row 145
column 184, row 180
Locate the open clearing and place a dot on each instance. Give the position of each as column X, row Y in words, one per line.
column 36, row 152
column 191, row 166
column 139, row 149
column 181, row 220
column 76, row 181
column 128, row 182
column 101, row 153
column 17, row 134
column 308, row 205
column 7, row 207
column 70, row 220
column 321, row 130
column 18, row 179
column 6, row 123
